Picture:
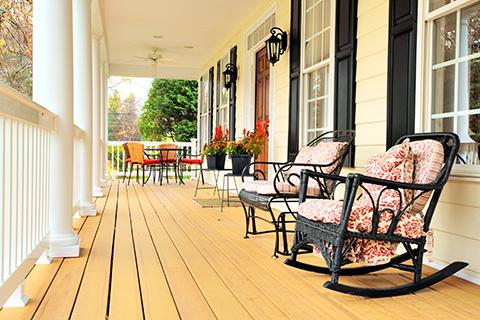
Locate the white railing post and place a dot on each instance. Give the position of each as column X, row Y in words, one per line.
column 53, row 88
column 96, row 140
column 82, row 58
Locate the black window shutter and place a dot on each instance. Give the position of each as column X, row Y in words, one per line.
column 345, row 68
column 217, row 113
column 210, row 104
column 232, row 101
column 294, row 96
column 402, row 46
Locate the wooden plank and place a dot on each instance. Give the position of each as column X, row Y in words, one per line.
column 125, row 299
column 36, row 285
column 39, row 280
column 276, row 280
column 220, row 297
column 158, row 302
column 188, row 297
column 59, row 300
column 92, row 297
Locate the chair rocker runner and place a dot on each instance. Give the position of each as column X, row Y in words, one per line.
column 326, row 154
column 396, row 186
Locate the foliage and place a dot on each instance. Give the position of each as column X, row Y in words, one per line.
column 251, row 143
column 16, row 44
column 170, row 111
column 122, row 118
column 218, row 144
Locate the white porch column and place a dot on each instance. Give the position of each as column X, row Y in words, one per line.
column 96, row 142
column 105, row 122
column 82, row 106
column 53, row 88
column 103, row 168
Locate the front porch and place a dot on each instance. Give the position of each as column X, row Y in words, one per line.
column 152, row 253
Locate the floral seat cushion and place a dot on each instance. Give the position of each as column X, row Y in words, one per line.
column 325, row 153
column 370, row 252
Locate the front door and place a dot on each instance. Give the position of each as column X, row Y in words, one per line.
column 262, row 88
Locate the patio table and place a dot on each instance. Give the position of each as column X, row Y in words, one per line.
column 157, row 153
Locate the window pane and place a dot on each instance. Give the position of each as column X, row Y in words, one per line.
column 470, row 30
column 442, row 125
column 318, row 17
column 435, row 4
column 444, row 38
column 443, row 89
column 311, row 115
column 317, row 51
column 308, row 54
column 326, row 46
column 309, row 24
column 317, row 83
column 469, row 133
column 326, row 14
column 320, row 121
column 469, row 85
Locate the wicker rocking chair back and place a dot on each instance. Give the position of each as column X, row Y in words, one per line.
column 136, row 152
column 334, row 240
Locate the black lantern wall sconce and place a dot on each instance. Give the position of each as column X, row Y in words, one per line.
column 276, row 44
column 229, row 75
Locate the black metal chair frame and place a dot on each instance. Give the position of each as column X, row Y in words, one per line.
column 251, row 200
column 319, row 233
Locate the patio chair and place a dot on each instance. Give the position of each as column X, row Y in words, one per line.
column 139, row 158
column 396, row 186
column 169, row 156
column 326, row 154
column 195, row 160
column 126, row 160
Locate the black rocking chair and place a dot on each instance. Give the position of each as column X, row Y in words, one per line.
column 283, row 175
column 339, row 237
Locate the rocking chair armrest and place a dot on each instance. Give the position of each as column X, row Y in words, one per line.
column 392, row 184
column 246, row 170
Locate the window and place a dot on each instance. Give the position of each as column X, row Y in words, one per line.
column 453, row 77
column 317, row 64
column 223, row 105
column 203, row 110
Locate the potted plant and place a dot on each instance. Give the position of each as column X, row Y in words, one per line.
column 249, row 146
column 215, row 150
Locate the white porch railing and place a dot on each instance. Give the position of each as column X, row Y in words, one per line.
column 25, row 132
column 116, row 154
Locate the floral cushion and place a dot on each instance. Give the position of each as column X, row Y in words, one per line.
column 324, row 153
column 370, row 252
column 429, row 157
column 396, row 164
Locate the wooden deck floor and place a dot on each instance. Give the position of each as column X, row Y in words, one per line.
column 152, row 253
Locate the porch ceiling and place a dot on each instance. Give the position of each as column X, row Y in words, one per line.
column 131, row 26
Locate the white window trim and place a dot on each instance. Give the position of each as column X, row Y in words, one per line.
column 331, row 77
column 203, row 126
column 222, row 90
column 423, row 75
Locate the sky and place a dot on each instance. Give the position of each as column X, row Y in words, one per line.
column 139, row 86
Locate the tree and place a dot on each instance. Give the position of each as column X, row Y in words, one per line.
column 122, row 118
column 170, row 111
column 16, row 44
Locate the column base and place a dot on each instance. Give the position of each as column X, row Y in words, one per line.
column 17, row 299
column 64, row 246
column 44, row 258
column 97, row 192
column 86, row 208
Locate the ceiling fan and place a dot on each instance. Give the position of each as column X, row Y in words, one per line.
column 154, row 58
